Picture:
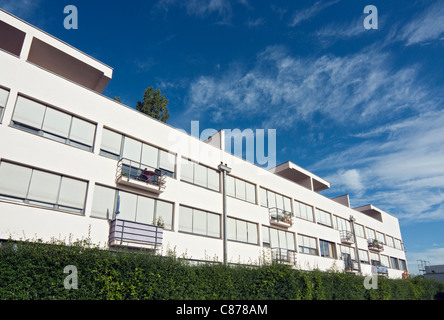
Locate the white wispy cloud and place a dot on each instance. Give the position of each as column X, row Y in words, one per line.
column 401, row 169
column 350, row 180
column 329, row 34
column 200, row 8
column 354, row 88
column 308, row 13
column 398, row 165
column 426, row 27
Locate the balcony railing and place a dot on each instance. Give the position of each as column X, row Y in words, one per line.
column 377, row 268
column 347, row 237
column 138, row 175
column 134, row 234
column 375, row 245
column 280, row 217
column 286, row 256
column 351, row 265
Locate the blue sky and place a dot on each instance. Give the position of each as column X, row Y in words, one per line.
column 360, row 108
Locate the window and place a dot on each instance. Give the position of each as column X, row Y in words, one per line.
column 394, row 263
column 327, row 249
column 243, row 231
column 380, row 237
column 111, row 144
column 398, row 244
column 402, row 265
column 347, row 253
column 374, row 259
column 271, row 199
column 263, row 197
column 3, row 99
column 150, row 155
column 363, row 256
column 109, row 203
column 307, row 245
column 200, row 175
column 72, row 193
column 303, row 211
column 132, row 150
column 250, row 192
column 385, row 261
column 342, row 224
column 82, row 132
column 323, row 218
column 103, row 202
column 136, row 153
column 199, row 222
column 390, row 242
column 370, row 233
column 359, row 230
column 54, row 124
column 241, row 189
column 164, row 212
column 276, row 238
column 42, row 188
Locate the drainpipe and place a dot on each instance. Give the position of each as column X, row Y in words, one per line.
column 352, row 223
column 224, row 170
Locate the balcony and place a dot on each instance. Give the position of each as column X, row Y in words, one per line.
column 139, row 176
column 375, row 245
column 285, row 256
column 280, row 217
column 134, row 234
column 351, row 265
column 379, row 269
column 346, row 237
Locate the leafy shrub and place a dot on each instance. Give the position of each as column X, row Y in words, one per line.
column 35, row 271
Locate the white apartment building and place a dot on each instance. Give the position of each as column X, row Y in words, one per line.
column 75, row 164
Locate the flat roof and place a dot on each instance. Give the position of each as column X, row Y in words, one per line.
column 299, row 175
column 51, row 53
column 371, row 211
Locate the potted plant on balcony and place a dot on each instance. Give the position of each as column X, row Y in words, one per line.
column 160, row 222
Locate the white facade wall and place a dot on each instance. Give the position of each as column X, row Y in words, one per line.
column 24, row 221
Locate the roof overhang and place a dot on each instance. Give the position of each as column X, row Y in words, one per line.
column 371, row 211
column 300, row 176
column 43, row 50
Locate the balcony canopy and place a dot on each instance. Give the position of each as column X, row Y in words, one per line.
column 301, row 176
column 371, row 211
column 38, row 47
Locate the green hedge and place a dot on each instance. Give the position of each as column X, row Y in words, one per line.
column 35, row 271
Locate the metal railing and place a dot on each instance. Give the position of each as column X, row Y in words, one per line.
column 375, row 245
column 351, row 265
column 132, row 170
column 280, row 215
column 347, row 236
column 134, row 234
column 378, row 268
column 281, row 255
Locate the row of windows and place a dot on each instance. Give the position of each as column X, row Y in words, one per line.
column 199, row 222
column 372, row 258
column 46, row 121
column 55, row 191
column 41, row 188
column 118, row 146
column 200, row 175
column 306, row 212
column 241, row 189
column 272, row 199
column 109, row 202
column 54, row 124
